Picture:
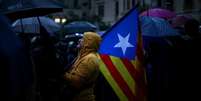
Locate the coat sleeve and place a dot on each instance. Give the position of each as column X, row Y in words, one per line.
column 84, row 73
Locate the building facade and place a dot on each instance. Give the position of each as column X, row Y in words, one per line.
column 75, row 9
column 189, row 7
column 109, row 11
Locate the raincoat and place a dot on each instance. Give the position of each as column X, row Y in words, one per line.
column 84, row 71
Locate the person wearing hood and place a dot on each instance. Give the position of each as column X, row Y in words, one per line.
column 82, row 75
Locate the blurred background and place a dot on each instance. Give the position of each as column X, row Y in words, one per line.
column 47, row 32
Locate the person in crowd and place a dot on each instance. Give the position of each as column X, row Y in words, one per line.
column 16, row 69
column 191, row 28
column 81, row 77
column 187, row 64
column 49, row 72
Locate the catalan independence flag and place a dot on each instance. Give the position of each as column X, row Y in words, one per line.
column 121, row 59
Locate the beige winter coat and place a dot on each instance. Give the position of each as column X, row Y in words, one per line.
column 85, row 70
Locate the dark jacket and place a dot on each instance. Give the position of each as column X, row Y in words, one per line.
column 16, row 70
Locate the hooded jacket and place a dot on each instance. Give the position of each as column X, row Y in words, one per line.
column 85, row 70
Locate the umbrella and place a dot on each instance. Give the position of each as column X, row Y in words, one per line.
column 156, row 27
column 32, row 25
column 31, row 8
column 79, row 27
column 158, row 12
column 180, row 20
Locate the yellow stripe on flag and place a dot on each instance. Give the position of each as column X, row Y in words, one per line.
column 112, row 82
column 124, row 73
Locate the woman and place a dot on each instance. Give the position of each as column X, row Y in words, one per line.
column 84, row 72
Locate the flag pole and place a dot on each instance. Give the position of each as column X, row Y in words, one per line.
column 141, row 58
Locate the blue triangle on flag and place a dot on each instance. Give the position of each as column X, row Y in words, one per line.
column 121, row 39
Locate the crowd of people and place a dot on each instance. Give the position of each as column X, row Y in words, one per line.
column 173, row 65
column 46, row 69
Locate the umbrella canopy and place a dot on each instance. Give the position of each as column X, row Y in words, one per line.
column 180, row 20
column 158, row 12
column 79, row 27
column 32, row 25
column 156, row 27
column 31, row 8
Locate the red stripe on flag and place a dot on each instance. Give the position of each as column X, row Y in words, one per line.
column 138, row 76
column 131, row 69
column 117, row 77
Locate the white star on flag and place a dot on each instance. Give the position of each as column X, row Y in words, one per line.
column 123, row 43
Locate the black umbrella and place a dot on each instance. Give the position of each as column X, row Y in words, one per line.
column 32, row 8
column 32, row 25
column 79, row 27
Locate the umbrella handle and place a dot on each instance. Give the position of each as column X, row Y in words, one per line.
column 22, row 27
column 39, row 21
column 40, row 24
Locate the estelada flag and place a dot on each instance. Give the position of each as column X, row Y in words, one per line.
column 121, row 57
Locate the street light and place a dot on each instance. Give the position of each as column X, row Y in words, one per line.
column 63, row 20
column 60, row 20
column 57, row 20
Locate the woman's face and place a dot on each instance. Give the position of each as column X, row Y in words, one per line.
column 80, row 43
